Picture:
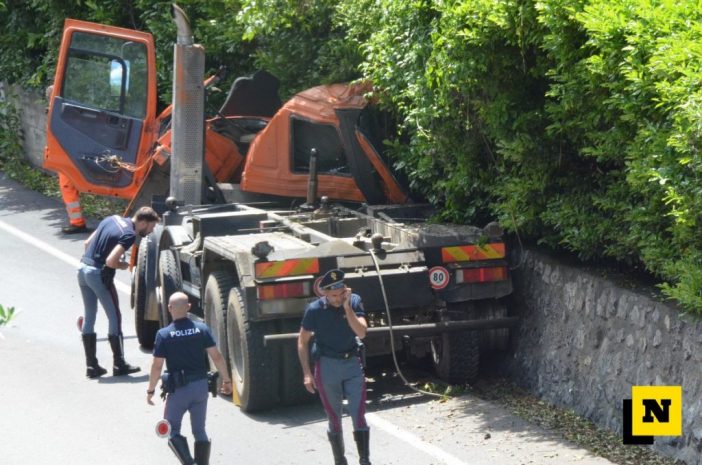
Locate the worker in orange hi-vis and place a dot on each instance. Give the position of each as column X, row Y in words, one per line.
column 70, row 195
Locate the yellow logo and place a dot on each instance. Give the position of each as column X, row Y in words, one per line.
column 333, row 275
column 656, row 410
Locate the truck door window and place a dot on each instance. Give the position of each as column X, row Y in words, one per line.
column 323, row 137
column 106, row 73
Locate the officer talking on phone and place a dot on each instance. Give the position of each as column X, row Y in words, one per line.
column 337, row 322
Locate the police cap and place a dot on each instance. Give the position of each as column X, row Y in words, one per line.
column 332, row 279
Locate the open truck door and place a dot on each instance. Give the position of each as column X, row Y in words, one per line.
column 102, row 109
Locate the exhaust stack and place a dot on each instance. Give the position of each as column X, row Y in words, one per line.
column 188, row 114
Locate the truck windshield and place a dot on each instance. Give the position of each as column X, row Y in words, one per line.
column 325, row 139
column 107, row 73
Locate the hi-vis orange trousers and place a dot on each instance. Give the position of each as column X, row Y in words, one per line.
column 71, row 197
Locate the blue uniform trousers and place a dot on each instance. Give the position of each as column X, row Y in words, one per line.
column 339, row 378
column 93, row 290
column 190, row 398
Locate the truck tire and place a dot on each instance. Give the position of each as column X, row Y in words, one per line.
column 456, row 355
column 217, row 289
column 292, row 389
column 145, row 329
column 492, row 339
column 255, row 367
column 170, row 281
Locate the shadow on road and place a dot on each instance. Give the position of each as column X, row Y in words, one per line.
column 18, row 199
column 385, row 390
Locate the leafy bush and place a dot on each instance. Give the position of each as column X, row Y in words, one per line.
column 6, row 315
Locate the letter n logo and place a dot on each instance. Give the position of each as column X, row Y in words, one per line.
column 656, row 410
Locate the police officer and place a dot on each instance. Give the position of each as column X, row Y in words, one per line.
column 184, row 345
column 102, row 258
column 337, row 321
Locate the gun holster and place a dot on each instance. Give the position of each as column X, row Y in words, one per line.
column 107, row 275
column 212, row 382
column 171, row 381
column 361, row 351
column 315, row 352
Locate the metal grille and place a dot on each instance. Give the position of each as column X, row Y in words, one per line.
column 188, row 124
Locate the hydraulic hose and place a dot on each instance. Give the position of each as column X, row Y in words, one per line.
column 392, row 336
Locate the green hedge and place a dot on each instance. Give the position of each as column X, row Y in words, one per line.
column 576, row 123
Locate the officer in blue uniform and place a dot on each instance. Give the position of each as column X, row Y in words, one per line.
column 102, row 258
column 185, row 345
column 337, row 322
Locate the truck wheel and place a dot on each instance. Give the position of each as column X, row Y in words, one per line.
column 145, row 329
column 217, row 289
column 493, row 339
column 170, row 281
column 456, row 355
column 255, row 367
column 292, row 389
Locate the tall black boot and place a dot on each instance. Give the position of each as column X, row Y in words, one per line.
column 120, row 367
column 179, row 446
column 362, row 439
column 93, row 370
column 202, row 452
column 337, row 442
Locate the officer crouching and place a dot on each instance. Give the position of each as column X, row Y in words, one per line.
column 337, row 321
column 185, row 345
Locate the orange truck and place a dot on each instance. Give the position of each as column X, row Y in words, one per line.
column 105, row 136
column 231, row 240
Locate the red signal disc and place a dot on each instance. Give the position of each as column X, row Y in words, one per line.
column 163, row 428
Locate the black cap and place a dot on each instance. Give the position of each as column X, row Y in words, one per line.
column 332, row 279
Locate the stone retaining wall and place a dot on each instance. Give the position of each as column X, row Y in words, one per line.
column 584, row 340
column 32, row 106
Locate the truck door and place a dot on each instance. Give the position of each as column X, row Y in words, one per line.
column 102, row 108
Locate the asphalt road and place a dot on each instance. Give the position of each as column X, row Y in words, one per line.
column 51, row 414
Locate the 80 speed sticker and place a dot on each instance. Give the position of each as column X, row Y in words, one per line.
column 438, row 277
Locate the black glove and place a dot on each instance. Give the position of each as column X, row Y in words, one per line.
column 107, row 275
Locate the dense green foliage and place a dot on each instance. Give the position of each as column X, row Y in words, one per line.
column 575, row 122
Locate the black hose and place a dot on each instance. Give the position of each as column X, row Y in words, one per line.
column 392, row 336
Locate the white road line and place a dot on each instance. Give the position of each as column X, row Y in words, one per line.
column 53, row 251
column 413, row 440
column 372, row 418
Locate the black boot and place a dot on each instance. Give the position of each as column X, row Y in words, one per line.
column 362, row 439
column 179, row 446
column 72, row 229
column 202, row 452
column 93, row 370
column 337, row 442
column 120, row 367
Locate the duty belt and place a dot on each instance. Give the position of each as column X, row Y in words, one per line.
column 172, row 380
column 340, row 355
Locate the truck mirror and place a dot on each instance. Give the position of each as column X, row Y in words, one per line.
column 117, row 75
